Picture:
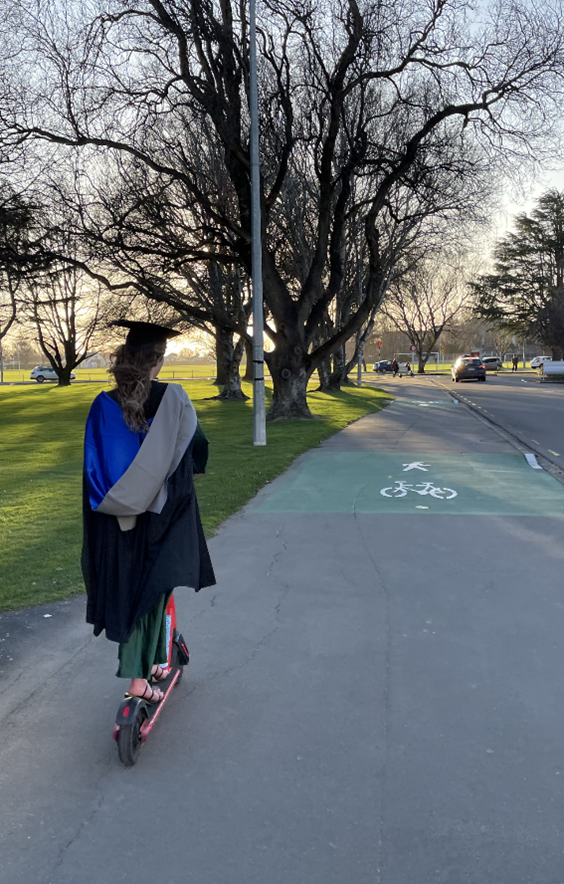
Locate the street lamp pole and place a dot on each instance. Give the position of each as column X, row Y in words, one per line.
column 259, row 410
column 360, row 346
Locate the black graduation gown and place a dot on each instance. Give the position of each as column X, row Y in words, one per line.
column 126, row 572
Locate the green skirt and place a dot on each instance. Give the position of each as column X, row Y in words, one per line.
column 146, row 645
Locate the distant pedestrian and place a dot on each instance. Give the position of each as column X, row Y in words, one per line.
column 408, row 369
column 515, row 362
column 395, row 367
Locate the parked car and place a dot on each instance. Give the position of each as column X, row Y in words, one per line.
column 382, row 366
column 492, row 363
column 45, row 373
column 468, row 368
column 539, row 361
column 553, row 367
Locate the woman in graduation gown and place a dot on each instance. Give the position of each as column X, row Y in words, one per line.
column 142, row 531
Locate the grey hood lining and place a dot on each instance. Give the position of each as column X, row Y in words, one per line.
column 142, row 488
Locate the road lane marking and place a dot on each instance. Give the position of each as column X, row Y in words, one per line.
column 555, row 453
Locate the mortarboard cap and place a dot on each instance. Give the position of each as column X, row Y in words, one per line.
column 145, row 335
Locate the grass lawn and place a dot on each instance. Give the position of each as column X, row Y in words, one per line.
column 41, row 432
column 169, row 372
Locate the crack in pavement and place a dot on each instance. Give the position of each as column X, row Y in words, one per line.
column 40, row 688
column 249, row 659
column 275, row 561
column 58, row 863
column 282, row 595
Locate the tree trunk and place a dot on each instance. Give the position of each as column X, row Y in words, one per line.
column 230, row 360
column 232, row 388
column 359, row 353
column 358, row 356
column 336, row 380
column 64, row 376
column 338, row 376
column 219, row 379
column 339, row 362
column 341, row 368
column 287, row 365
column 421, row 359
column 248, row 376
column 324, row 372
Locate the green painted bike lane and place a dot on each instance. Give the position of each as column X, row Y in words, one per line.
column 416, row 484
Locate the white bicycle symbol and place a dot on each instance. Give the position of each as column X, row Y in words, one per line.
column 401, row 488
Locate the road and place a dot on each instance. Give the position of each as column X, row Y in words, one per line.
column 375, row 694
column 532, row 411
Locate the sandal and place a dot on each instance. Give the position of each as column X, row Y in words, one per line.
column 160, row 673
column 155, row 696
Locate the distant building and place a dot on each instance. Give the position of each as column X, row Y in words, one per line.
column 97, row 360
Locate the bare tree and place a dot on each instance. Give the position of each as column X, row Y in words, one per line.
column 134, row 235
column 21, row 347
column 358, row 94
column 65, row 309
column 20, row 256
column 425, row 302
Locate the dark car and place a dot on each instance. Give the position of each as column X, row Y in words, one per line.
column 382, row 366
column 468, row 368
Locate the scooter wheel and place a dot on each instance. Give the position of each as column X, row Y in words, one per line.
column 129, row 739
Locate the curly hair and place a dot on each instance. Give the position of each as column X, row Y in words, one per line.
column 131, row 371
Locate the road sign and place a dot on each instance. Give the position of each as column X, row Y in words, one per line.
column 378, row 343
column 413, row 348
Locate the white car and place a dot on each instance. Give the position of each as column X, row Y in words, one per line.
column 492, row 363
column 539, row 361
column 45, row 373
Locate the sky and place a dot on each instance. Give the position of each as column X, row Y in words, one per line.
column 515, row 204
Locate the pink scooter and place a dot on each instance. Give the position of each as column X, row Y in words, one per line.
column 136, row 717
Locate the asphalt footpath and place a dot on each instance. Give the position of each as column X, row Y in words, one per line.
column 375, row 694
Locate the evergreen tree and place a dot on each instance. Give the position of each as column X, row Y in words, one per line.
column 525, row 293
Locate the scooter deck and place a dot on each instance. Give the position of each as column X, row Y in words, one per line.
column 133, row 707
column 155, row 709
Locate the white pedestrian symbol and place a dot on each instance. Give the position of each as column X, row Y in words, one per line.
column 416, row 465
column 401, row 488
